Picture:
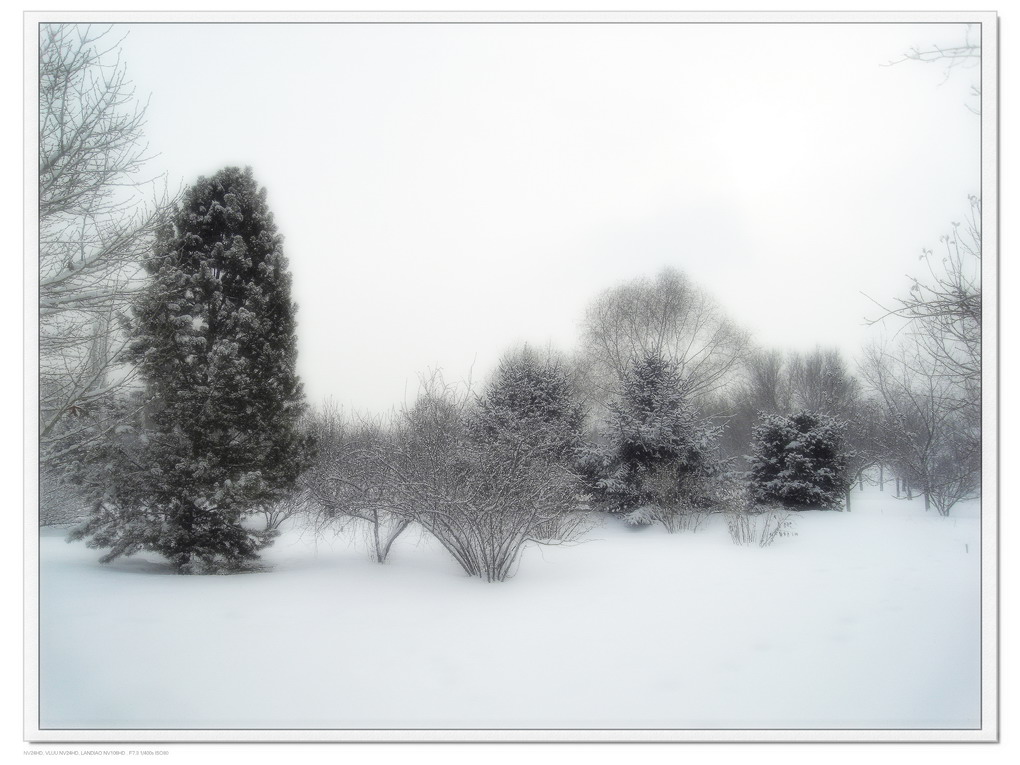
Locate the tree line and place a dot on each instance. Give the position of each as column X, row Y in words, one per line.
column 170, row 407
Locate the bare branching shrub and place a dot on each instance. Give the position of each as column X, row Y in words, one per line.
column 295, row 504
column 350, row 483
column 777, row 523
column 681, row 518
column 565, row 527
column 483, row 493
column 685, row 500
column 748, row 522
column 741, row 526
column 483, row 500
column 761, row 526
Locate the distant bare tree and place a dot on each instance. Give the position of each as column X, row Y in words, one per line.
column 930, row 385
column 97, row 218
column 943, row 313
column 924, row 434
column 965, row 54
column 821, row 382
column 668, row 317
column 762, row 385
column 766, row 382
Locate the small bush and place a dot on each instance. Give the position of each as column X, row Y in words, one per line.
column 483, row 499
column 748, row 522
column 760, row 528
column 682, row 518
column 350, row 483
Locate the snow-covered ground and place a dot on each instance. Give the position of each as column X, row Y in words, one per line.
column 869, row 619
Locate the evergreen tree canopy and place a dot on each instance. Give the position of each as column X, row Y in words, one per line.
column 215, row 346
column 658, row 444
column 655, row 419
column 530, row 402
column 799, row 460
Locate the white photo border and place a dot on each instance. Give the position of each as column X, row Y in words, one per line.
column 990, row 534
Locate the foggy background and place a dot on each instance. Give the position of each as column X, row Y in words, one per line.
column 448, row 190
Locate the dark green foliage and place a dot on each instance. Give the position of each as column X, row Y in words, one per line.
column 218, row 436
column 658, row 449
column 799, row 460
column 530, row 404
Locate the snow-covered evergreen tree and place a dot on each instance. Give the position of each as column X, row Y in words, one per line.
column 799, row 460
column 215, row 345
column 530, row 402
column 658, row 447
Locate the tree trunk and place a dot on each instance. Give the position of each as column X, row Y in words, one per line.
column 379, row 556
column 881, row 477
column 396, row 532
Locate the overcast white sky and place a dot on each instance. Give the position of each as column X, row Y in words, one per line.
column 449, row 190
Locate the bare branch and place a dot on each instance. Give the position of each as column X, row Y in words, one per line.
column 98, row 217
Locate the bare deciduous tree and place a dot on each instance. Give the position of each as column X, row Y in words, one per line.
column 766, row 384
column 965, row 54
column 943, row 313
column 668, row 317
column 925, row 435
column 821, row 382
column 97, row 219
column 930, row 385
